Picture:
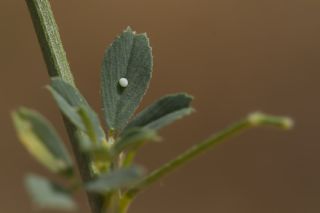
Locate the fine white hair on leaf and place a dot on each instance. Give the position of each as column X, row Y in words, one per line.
column 123, row 82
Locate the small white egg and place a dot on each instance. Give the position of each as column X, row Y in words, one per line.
column 123, row 82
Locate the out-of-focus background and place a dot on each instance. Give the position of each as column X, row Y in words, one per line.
column 234, row 56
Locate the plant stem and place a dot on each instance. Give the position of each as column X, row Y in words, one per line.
column 49, row 39
column 58, row 66
column 253, row 120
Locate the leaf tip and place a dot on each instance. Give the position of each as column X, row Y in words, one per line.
column 128, row 29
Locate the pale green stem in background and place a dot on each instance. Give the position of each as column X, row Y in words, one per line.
column 58, row 66
column 253, row 120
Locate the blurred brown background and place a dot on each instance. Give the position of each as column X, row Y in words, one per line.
column 234, row 56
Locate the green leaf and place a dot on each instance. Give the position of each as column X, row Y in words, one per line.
column 47, row 194
column 128, row 57
column 133, row 139
column 117, row 179
column 68, row 110
column 42, row 141
column 76, row 109
column 92, row 125
column 163, row 112
column 68, row 92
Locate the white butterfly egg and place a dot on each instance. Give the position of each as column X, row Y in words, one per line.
column 123, row 82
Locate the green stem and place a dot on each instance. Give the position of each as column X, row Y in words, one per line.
column 58, row 66
column 124, row 204
column 253, row 120
column 49, row 39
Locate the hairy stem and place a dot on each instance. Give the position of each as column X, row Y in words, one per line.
column 58, row 66
column 49, row 39
column 253, row 120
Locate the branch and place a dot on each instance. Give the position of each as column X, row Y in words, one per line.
column 253, row 120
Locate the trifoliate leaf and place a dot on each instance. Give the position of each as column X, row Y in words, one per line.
column 42, row 141
column 163, row 112
column 130, row 58
column 48, row 195
column 114, row 180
